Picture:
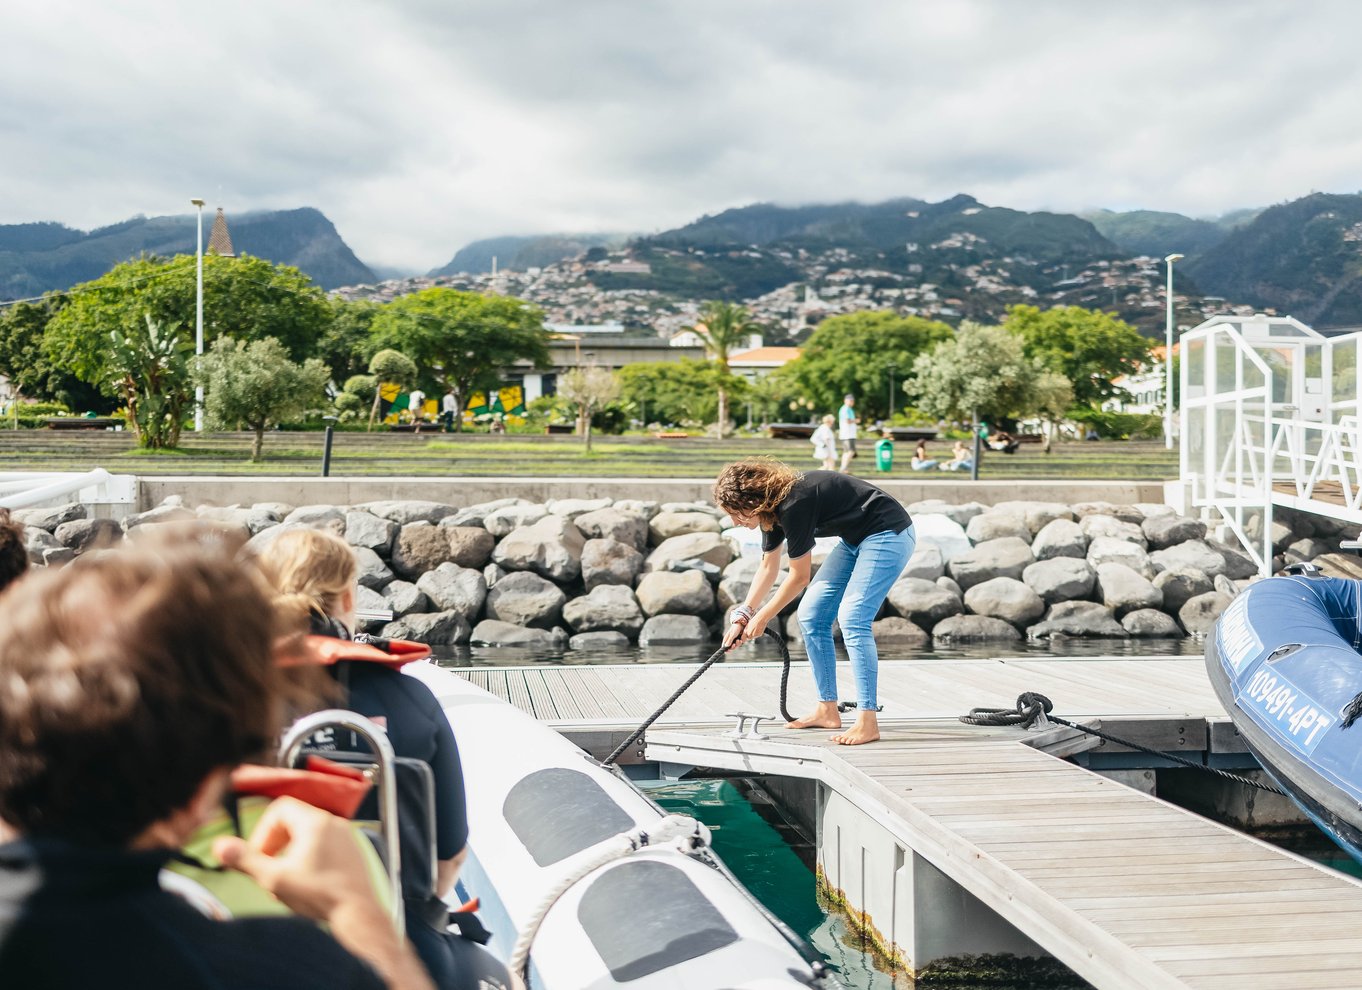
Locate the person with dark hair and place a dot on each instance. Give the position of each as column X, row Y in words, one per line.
column 877, row 540
column 13, row 550
column 132, row 682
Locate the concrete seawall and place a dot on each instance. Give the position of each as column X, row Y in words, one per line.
column 234, row 490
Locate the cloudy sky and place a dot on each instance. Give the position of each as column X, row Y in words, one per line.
column 419, row 125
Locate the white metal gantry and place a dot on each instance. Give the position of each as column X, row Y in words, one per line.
column 1269, row 416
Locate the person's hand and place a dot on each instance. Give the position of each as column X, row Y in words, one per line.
column 756, row 626
column 733, row 635
column 304, row 856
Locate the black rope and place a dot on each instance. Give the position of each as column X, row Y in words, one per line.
column 1031, row 707
column 633, row 736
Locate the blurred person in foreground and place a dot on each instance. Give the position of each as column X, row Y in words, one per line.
column 132, row 682
column 13, row 550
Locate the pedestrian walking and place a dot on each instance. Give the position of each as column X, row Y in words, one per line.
column 448, row 406
column 824, row 442
column 846, row 430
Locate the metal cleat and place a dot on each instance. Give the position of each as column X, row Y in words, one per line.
column 741, row 731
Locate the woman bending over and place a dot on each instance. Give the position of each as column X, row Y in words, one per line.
column 876, row 542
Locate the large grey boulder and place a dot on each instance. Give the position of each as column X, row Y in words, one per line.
column 1238, row 564
column 1110, row 550
column 960, row 514
column 684, row 593
column 924, row 603
column 473, row 515
column 673, row 630
column 1281, row 534
column 1192, row 553
column 404, row 598
column 974, row 629
column 605, row 607
column 1198, row 615
column 502, row 521
column 1308, row 548
column 1124, row 590
column 420, row 547
column 492, row 573
column 926, row 564
column 327, row 517
column 551, row 547
column 279, row 510
column 599, row 641
column 1060, row 579
column 1077, row 619
column 1060, row 538
column 572, row 508
column 1170, row 530
column 469, row 546
column 615, row 523
column 259, row 518
column 607, row 561
column 646, row 507
column 1036, row 515
column 1005, row 598
column 1151, row 623
column 455, row 589
column 665, row 525
column 1109, row 527
column 404, row 511
column 997, row 525
column 899, row 633
column 364, row 529
column 710, row 547
column 58, row 556
column 1125, row 513
column 523, row 598
column 38, row 541
column 494, row 632
column 50, row 518
column 1007, row 557
column 373, row 572
column 369, row 600
column 1179, row 584
column 1222, row 584
column 433, row 629
column 948, row 584
column 89, row 534
column 160, row 514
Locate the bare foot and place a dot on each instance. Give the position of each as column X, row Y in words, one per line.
column 825, row 716
column 866, row 729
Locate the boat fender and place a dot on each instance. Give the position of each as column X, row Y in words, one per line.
column 681, row 832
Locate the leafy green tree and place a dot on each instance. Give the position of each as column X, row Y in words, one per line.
column 246, row 298
column 256, row 385
column 149, row 369
column 389, row 366
column 724, row 327
column 684, row 391
column 344, row 344
column 1052, row 395
column 1088, row 347
column 857, row 353
column 589, row 389
column 463, row 340
column 983, row 372
column 24, row 360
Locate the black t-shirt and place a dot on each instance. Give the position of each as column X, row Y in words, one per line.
column 71, row 916
column 417, row 727
column 827, row 503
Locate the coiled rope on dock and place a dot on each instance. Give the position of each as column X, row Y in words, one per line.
column 1034, row 709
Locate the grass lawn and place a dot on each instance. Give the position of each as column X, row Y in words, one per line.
column 473, row 455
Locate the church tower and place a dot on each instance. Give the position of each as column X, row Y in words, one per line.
column 220, row 241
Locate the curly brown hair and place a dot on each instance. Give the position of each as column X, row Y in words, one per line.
column 13, row 550
column 755, row 487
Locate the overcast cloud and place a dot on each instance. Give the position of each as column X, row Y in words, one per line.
column 420, row 125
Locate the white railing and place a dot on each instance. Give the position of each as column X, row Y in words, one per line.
column 1270, row 417
column 20, row 489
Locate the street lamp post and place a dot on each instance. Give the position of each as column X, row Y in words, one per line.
column 892, row 368
column 1168, row 358
column 198, row 321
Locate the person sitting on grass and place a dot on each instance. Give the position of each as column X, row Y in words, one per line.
column 921, row 462
column 961, row 459
column 132, row 683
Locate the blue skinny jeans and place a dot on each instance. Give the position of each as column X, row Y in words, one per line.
column 850, row 587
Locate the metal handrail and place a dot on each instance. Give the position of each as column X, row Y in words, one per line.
column 386, row 761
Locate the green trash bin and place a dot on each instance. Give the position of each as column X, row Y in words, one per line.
column 884, row 455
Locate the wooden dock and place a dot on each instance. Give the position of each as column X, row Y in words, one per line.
column 949, row 839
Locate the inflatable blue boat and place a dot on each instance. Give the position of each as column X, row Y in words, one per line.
column 1286, row 662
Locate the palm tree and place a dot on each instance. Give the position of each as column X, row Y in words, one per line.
column 724, row 326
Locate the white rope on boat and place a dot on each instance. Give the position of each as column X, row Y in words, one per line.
column 685, row 834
